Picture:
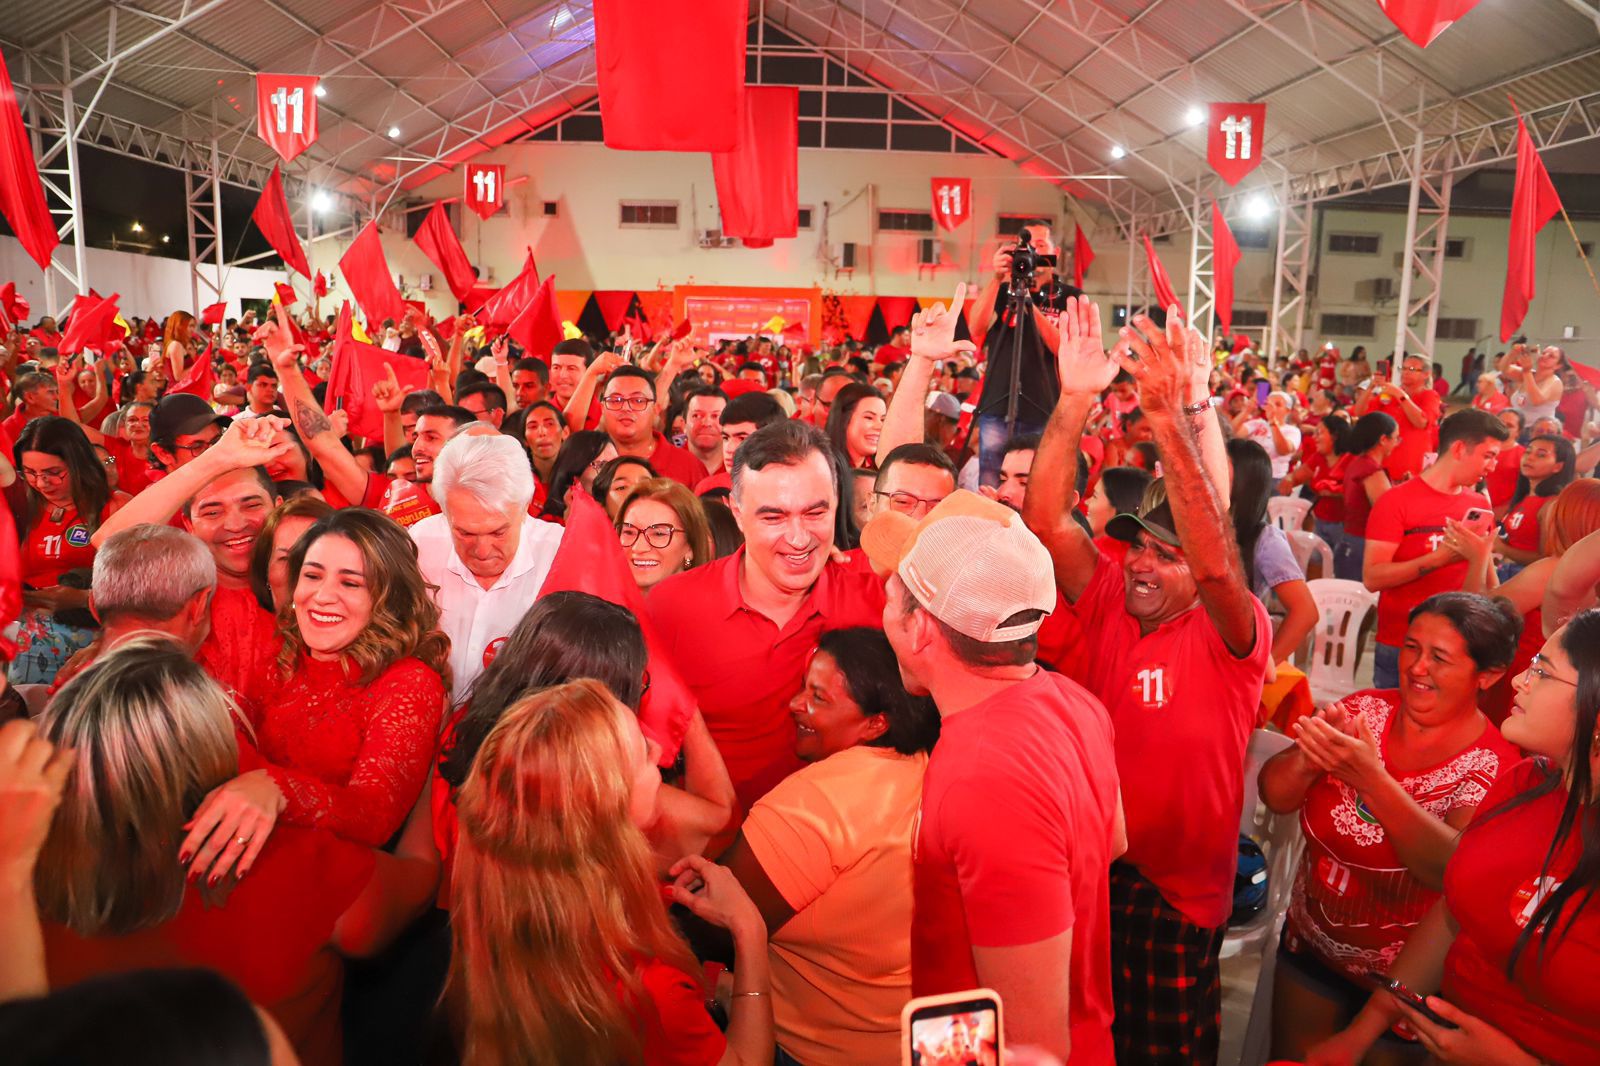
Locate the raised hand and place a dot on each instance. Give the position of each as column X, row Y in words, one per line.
column 33, row 773
column 231, row 826
column 430, row 344
column 714, row 894
column 388, row 394
column 250, row 442
column 66, row 370
column 933, row 331
column 1081, row 356
column 1159, row 361
column 501, row 350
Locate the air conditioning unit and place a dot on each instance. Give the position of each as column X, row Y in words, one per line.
column 928, row 252
column 425, row 283
column 1376, row 289
column 847, row 255
column 713, row 238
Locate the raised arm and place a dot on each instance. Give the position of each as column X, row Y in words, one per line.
column 338, row 465
column 1161, row 364
column 66, row 406
column 932, row 338
column 1575, row 584
column 577, row 410
column 500, row 351
column 982, row 315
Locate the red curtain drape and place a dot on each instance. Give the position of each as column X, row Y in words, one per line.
column 758, row 182
column 857, row 313
column 272, row 218
column 613, row 304
column 366, row 272
column 897, row 311
column 443, row 248
column 671, row 73
column 21, row 192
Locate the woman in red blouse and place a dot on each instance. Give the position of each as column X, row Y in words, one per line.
column 1510, row 958
column 352, row 727
column 1384, row 782
column 1548, row 465
column 563, row 950
column 151, row 734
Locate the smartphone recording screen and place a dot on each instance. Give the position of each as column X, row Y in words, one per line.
column 956, row 1034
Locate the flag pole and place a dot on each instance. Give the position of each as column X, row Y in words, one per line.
column 1587, row 265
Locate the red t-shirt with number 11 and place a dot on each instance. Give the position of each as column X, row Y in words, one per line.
column 1414, row 516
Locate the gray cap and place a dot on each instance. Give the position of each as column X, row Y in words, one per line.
column 946, row 404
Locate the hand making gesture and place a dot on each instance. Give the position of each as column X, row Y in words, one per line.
column 1081, row 356
column 933, row 331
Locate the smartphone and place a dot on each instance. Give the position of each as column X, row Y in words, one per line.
column 1263, row 390
column 1478, row 520
column 1410, row 999
column 961, row 1027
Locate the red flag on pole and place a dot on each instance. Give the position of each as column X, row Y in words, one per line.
column 199, row 380
column 286, row 112
column 758, row 182
column 92, row 323
column 1082, row 255
column 443, row 249
column 366, row 274
column 590, row 560
column 1424, row 20
column 1533, row 203
column 952, row 201
column 538, row 327
column 13, row 308
column 319, row 286
column 285, row 293
column 501, row 309
column 21, row 192
column 272, row 218
column 1224, row 258
column 357, row 367
column 1159, row 279
column 213, row 314
column 671, row 73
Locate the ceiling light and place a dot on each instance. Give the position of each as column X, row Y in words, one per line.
column 320, row 91
column 321, row 202
column 1257, row 207
column 1195, row 115
column 138, row 228
column 394, row 131
column 1117, row 151
column 165, row 239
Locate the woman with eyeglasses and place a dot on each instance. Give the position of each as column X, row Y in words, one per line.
column 69, row 496
column 663, row 529
column 1384, row 783
column 1508, row 957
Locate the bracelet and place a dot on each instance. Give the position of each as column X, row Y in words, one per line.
column 758, row 995
column 1198, row 408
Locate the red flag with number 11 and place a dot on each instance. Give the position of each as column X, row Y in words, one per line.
column 286, row 110
column 486, row 188
column 952, row 201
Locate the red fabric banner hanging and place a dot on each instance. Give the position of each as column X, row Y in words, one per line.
column 1159, row 279
column 758, row 182
column 356, row 368
column 485, row 188
column 92, row 323
column 671, row 73
column 613, row 304
column 319, row 286
column 286, row 113
column 501, row 309
column 366, row 275
column 213, row 314
column 272, row 218
column 13, row 308
column 538, row 327
column 443, row 249
column 1533, row 203
column 1424, row 20
column 21, row 192
column 857, row 314
column 952, row 201
column 590, row 559
column 1082, row 255
column 1234, row 138
column 897, row 311
column 1224, row 259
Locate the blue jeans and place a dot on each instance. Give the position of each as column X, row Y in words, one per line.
column 1347, row 556
column 1385, row 666
column 1333, row 534
column 992, row 438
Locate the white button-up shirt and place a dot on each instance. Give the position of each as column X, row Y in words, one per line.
column 474, row 617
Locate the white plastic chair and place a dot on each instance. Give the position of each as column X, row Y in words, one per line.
column 1309, row 547
column 1336, row 640
column 1280, row 840
column 1288, row 513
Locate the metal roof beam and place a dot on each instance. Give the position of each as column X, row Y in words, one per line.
column 190, row 11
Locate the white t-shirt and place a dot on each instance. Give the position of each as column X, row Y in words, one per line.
column 1260, row 431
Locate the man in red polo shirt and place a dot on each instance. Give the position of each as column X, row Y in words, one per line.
column 1021, row 814
column 1177, row 648
column 628, row 416
column 1416, row 406
column 742, row 629
column 1408, row 557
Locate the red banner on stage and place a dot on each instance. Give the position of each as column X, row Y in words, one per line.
column 952, row 201
column 728, row 313
column 1234, row 137
column 671, row 73
column 758, row 182
column 1424, row 20
column 286, row 112
column 485, row 188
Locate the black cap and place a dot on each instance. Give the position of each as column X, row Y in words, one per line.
column 1156, row 521
column 180, row 414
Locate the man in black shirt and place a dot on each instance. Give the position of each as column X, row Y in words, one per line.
column 994, row 332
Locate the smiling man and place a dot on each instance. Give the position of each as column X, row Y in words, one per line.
column 628, row 417
column 742, row 628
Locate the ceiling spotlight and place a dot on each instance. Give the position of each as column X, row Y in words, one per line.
column 1257, row 207
column 138, row 228
column 394, row 131
column 1117, row 151
column 1195, row 115
column 320, row 91
column 321, row 202
column 165, row 239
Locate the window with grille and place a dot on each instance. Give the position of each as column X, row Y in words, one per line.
column 1349, row 325
column 905, row 222
column 1008, row 226
column 1456, row 247
column 650, row 214
column 1355, row 243
column 1244, row 316
column 804, row 221
column 1457, row 329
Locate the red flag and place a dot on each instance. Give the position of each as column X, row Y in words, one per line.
column 366, row 274
column 1224, row 258
column 758, row 182
column 286, row 112
column 486, row 188
column 272, row 218
column 538, row 327
column 1234, row 138
column 356, row 368
column 10, row 577
column 590, row 560
column 1587, row 373
column 1424, row 20
column 319, row 286
column 671, row 73
column 21, row 193
column 501, row 309
column 13, row 308
column 1082, row 255
column 952, row 201
column 199, row 380
column 285, row 293
column 1533, row 203
column 213, row 314
column 440, row 244
column 682, row 329
column 92, row 324
column 1159, row 279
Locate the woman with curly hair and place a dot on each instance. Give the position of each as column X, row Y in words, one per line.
column 347, row 738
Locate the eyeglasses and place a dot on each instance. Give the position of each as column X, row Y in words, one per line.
column 1537, row 671
column 51, row 477
column 909, row 503
column 196, row 447
column 626, row 403
column 657, row 536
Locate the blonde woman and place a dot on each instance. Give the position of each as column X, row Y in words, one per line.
column 151, row 735
column 663, row 530
column 563, row 951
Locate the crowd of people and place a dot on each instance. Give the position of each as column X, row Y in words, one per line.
column 656, row 703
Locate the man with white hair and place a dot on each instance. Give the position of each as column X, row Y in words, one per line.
column 483, row 551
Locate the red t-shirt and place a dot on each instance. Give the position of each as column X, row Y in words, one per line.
column 1357, row 504
column 51, row 548
column 742, row 668
column 1013, row 843
column 1355, row 901
column 679, row 464
column 1183, row 706
column 889, row 353
column 1492, row 886
column 133, row 473
column 274, row 937
column 1502, row 480
column 676, row 1029
column 1522, row 523
column 1327, row 483
column 240, row 652
column 1413, row 516
column 1415, row 441
column 1493, row 404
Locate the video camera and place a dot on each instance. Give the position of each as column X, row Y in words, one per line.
column 1025, row 264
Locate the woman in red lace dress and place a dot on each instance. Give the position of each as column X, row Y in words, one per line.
column 351, row 730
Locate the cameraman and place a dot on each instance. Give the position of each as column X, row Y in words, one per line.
column 993, row 330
